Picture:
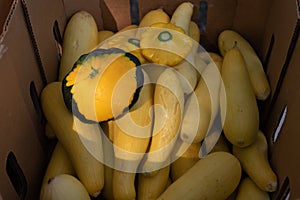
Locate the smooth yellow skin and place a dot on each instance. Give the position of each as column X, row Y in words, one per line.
column 62, row 187
column 254, row 160
column 104, row 34
column 216, row 57
column 123, row 185
column 248, row 190
column 105, row 95
column 165, row 44
column 131, row 140
column 241, row 117
column 91, row 171
column 188, row 158
column 129, row 27
column 122, row 41
column 58, row 164
column 168, row 111
column 215, row 176
column 206, row 102
column 154, row 16
column 208, row 57
column 107, row 191
column 258, row 78
column 150, row 187
column 182, row 16
column 80, row 37
column 188, row 76
column 194, row 31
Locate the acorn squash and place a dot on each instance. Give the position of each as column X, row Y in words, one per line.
column 102, row 85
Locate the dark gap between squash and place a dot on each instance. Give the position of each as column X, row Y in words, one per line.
column 202, row 21
column 270, row 49
column 58, row 39
column 134, row 12
column 36, row 102
column 58, row 43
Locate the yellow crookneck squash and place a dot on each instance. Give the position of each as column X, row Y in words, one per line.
column 102, row 85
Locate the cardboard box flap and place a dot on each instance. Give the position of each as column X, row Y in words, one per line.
column 278, row 40
column 29, row 49
column 116, row 14
column 228, row 14
column 40, row 26
column 21, row 135
column 145, row 6
column 220, row 16
column 284, row 142
column 250, row 19
column 21, row 125
column 43, row 27
column 19, row 48
column 9, row 102
column 110, row 22
column 7, row 9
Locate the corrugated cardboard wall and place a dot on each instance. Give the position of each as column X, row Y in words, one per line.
column 285, row 112
column 271, row 19
column 21, row 128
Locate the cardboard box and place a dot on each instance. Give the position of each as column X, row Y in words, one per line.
column 29, row 60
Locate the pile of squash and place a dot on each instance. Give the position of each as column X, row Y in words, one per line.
column 133, row 113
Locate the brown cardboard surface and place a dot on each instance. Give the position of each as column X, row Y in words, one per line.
column 7, row 142
column 246, row 17
column 281, row 23
column 110, row 22
column 21, row 55
column 243, row 16
column 19, row 136
column 250, row 16
column 60, row 10
column 116, row 14
column 21, row 129
column 220, row 16
column 42, row 15
column 145, row 6
column 4, row 10
column 285, row 151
